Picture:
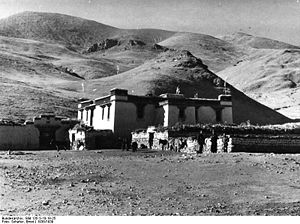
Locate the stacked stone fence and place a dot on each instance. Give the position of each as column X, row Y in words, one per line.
column 175, row 142
column 266, row 143
column 141, row 138
column 288, row 143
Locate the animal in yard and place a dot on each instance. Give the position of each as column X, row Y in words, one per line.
column 163, row 143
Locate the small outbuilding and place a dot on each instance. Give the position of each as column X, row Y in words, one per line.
column 83, row 137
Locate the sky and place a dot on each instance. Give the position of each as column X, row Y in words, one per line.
column 277, row 19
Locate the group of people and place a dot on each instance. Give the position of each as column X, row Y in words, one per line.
column 126, row 144
column 214, row 142
column 180, row 143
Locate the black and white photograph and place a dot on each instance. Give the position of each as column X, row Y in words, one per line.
column 144, row 108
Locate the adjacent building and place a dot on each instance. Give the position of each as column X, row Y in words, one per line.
column 36, row 134
column 122, row 113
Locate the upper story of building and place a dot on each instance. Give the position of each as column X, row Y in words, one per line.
column 123, row 113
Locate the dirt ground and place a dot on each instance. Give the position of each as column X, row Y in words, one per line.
column 148, row 183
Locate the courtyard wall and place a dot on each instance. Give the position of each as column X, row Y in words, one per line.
column 19, row 137
column 267, row 141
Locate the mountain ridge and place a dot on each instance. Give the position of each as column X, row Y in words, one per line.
column 58, row 66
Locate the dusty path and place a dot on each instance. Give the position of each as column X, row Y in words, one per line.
column 148, row 183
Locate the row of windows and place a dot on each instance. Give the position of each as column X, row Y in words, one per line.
column 140, row 109
column 92, row 115
column 182, row 114
column 108, row 112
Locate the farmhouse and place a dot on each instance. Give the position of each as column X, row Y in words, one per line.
column 36, row 134
column 122, row 113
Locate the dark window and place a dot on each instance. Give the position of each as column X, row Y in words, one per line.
column 218, row 115
column 140, row 110
column 87, row 115
column 103, row 113
column 92, row 115
column 108, row 112
column 181, row 113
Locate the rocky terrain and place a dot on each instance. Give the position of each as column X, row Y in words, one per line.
column 49, row 56
column 148, row 183
column 269, row 74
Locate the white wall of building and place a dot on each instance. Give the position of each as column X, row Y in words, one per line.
column 173, row 115
column 166, row 115
column 85, row 116
column 80, row 115
column 104, row 122
column 124, row 110
column 126, row 119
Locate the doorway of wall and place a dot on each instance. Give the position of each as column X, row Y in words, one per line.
column 46, row 138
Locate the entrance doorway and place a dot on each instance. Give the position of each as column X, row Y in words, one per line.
column 46, row 138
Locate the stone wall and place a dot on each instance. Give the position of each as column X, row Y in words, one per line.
column 174, row 141
column 141, row 138
column 266, row 143
column 187, row 142
column 16, row 137
column 89, row 139
column 27, row 136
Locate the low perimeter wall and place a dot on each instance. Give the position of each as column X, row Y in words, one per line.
column 19, row 137
column 266, row 143
column 236, row 143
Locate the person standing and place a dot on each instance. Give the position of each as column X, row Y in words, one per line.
column 225, row 140
column 150, row 140
column 123, row 144
column 214, row 144
column 127, row 144
column 201, row 141
column 134, row 146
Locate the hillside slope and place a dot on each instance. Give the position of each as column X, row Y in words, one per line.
column 247, row 40
column 268, row 73
column 173, row 68
column 60, row 55
column 216, row 53
column 81, row 35
column 54, row 27
column 71, row 31
column 272, row 78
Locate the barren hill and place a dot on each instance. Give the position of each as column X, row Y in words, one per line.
column 269, row 73
column 272, row 78
column 54, row 27
column 244, row 39
column 216, row 53
column 130, row 47
column 50, row 60
column 83, row 35
column 173, row 68
column 69, row 30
